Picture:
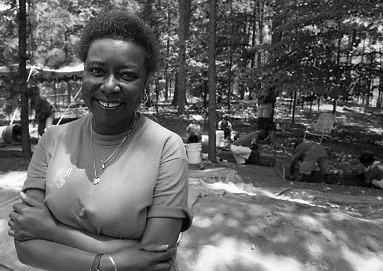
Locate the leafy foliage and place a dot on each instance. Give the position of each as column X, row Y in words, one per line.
column 331, row 48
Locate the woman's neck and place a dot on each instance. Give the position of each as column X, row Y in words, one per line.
column 112, row 129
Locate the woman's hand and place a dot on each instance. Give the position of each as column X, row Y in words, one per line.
column 31, row 219
column 141, row 257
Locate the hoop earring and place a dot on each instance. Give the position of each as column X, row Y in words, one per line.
column 145, row 99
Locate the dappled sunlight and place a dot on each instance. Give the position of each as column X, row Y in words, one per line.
column 231, row 254
column 13, row 180
column 376, row 130
column 370, row 261
column 202, row 222
column 310, row 222
column 264, row 233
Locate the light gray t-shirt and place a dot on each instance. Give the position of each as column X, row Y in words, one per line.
column 147, row 178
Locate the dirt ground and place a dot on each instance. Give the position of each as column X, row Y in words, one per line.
column 250, row 218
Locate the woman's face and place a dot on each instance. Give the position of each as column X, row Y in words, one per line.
column 113, row 83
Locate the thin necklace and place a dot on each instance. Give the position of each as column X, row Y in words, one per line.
column 108, row 161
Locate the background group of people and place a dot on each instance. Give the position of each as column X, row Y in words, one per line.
column 306, row 156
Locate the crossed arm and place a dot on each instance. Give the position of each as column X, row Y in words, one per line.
column 43, row 242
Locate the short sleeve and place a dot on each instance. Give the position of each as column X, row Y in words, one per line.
column 37, row 169
column 171, row 189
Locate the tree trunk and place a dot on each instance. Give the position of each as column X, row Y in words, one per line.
column 311, row 105
column 22, row 85
column 157, row 93
column 166, row 64
column 69, row 86
column 294, row 105
column 254, row 31
column 334, row 106
column 291, row 103
column 211, row 82
column 176, row 90
column 260, row 30
column 380, row 98
column 183, row 8
column 229, row 79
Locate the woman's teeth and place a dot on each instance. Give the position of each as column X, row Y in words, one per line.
column 109, row 105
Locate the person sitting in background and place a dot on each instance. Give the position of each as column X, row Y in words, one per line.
column 373, row 172
column 193, row 130
column 226, row 127
column 107, row 191
column 247, row 147
column 308, row 154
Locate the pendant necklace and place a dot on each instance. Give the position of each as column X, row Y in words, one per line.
column 108, row 161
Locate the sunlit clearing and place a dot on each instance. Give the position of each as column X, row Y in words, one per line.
column 229, row 187
column 13, row 180
column 4, row 7
column 314, row 250
column 231, row 254
column 370, row 262
column 310, row 222
column 202, row 222
column 378, row 131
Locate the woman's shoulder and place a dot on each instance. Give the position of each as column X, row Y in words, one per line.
column 67, row 129
column 151, row 127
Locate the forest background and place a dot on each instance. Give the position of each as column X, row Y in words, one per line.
column 215, row 52
column 220, row 56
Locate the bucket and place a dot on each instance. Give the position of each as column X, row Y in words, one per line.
column 194, row 151
column 11, row 133
column 219, row 138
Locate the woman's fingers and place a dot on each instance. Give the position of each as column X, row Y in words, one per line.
column 13, row 215
column 163, row 265
column 11, row 224
column 19, row 207
column 155, row 248
column 164, row 256
column 11, row 233
column 30, row 201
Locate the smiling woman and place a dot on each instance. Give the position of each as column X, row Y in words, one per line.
column 101, row 191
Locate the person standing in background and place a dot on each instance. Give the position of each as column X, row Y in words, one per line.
column 44, row 113
column 225, row 126
column 194, row 130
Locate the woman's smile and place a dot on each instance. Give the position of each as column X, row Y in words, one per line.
column 108, row 105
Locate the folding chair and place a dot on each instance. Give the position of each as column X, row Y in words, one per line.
column 322, row 127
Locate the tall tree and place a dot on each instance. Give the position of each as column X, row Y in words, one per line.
column 22, row 84
column 182, row 57
column 211, row 82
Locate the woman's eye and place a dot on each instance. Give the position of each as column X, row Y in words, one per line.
column 129, row 76
column 96, row 71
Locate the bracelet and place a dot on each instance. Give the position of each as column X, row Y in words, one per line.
column 112, row 261
column 96, row 262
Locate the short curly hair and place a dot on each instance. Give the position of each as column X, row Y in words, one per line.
column 121, row 25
